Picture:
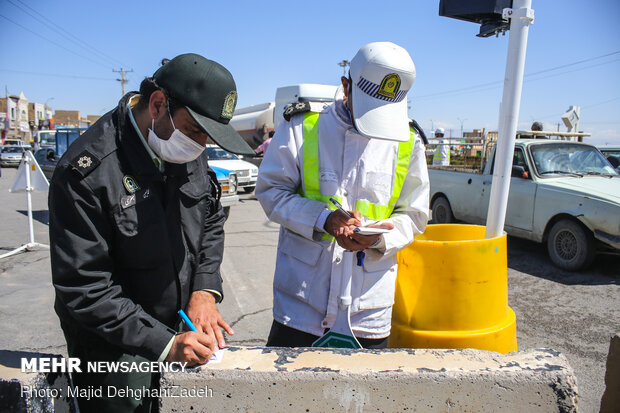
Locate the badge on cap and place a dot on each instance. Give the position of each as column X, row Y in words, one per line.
column 229, row 105
column 389, row 86
column 130, row 184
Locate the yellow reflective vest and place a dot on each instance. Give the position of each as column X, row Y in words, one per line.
column 371, row 210
column 312, row 157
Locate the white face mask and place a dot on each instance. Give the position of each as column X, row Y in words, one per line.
column 179, row 148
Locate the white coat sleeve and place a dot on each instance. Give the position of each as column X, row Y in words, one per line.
column 280, row 180
column 410, row 213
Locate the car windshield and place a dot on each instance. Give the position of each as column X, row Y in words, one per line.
column 47, row 138
column 219, row 153
column 569, row 159
column 13, row 149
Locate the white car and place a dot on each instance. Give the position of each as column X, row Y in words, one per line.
column 11, row 155
column 247, row 173
column 564, row 194
column 16, row 142
column 228, row 184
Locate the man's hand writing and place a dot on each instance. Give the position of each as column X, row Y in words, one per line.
column 203, row 312
column 359, row 242
column 338, row 223
column 341, row 227
column 193, row 348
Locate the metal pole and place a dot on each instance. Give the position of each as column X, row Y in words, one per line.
column 484, row 149
column 29, row 196
column 462, row 122
column 521, row 16
column 28, row 163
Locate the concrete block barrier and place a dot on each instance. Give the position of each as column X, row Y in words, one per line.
column 27, row 392
column 256, row 379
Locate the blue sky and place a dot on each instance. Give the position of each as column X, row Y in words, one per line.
column 573, row 54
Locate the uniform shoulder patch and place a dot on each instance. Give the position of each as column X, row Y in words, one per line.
column 85, row 163
column 294, row 108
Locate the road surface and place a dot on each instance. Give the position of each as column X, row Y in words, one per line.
column 574, row 313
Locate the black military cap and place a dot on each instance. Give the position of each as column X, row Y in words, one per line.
column 208, row 92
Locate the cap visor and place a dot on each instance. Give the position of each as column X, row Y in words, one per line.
column 379, row 119
column 223, row 135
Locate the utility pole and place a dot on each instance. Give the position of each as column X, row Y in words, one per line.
column 122, row 79
column 344, row 65
column 462, row 121
column 7, row 120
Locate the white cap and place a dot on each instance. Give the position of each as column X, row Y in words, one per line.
column 382, row 73
column 438, row 131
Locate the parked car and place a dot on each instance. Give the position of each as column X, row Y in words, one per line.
column 17, row 142
column 11, row 155
column 228, row 182
column 564, row 194
column 47, row 160
column 612, row 153
column 247, row 173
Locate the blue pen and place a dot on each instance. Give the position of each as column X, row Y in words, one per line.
column 187, row 321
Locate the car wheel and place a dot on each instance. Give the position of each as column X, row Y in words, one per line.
column 570, row 245
column 248, row 189
column 442, row 212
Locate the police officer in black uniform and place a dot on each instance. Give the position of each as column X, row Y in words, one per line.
column 136, row 229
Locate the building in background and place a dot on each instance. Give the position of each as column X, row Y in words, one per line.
column 16, row 126
column 20, row 119
column 41, row 117
column 70, row 119
column 92, row 118
column 67, row 118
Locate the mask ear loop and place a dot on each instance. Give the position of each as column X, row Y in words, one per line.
column 170, row 115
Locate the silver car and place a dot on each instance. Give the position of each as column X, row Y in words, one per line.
column 11, row 155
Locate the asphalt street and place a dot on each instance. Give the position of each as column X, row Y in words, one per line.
column 574, row 313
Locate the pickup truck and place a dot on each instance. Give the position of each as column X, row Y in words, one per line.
column 564, row 194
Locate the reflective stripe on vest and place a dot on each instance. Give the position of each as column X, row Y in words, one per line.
column 310, row 154
column 437, row 155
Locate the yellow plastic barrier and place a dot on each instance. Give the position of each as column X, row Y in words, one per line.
column 452, row 292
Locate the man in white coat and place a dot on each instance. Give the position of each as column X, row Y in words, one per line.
column 359, row 151
column 442, row 153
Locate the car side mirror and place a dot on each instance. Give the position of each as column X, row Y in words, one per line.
column 50, row 156
column 519, row 172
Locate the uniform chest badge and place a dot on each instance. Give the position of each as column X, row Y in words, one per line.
column 84, row 162
column 130, row 184
column 389, row 86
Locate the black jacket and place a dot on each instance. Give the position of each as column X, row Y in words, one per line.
column 124, row 262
